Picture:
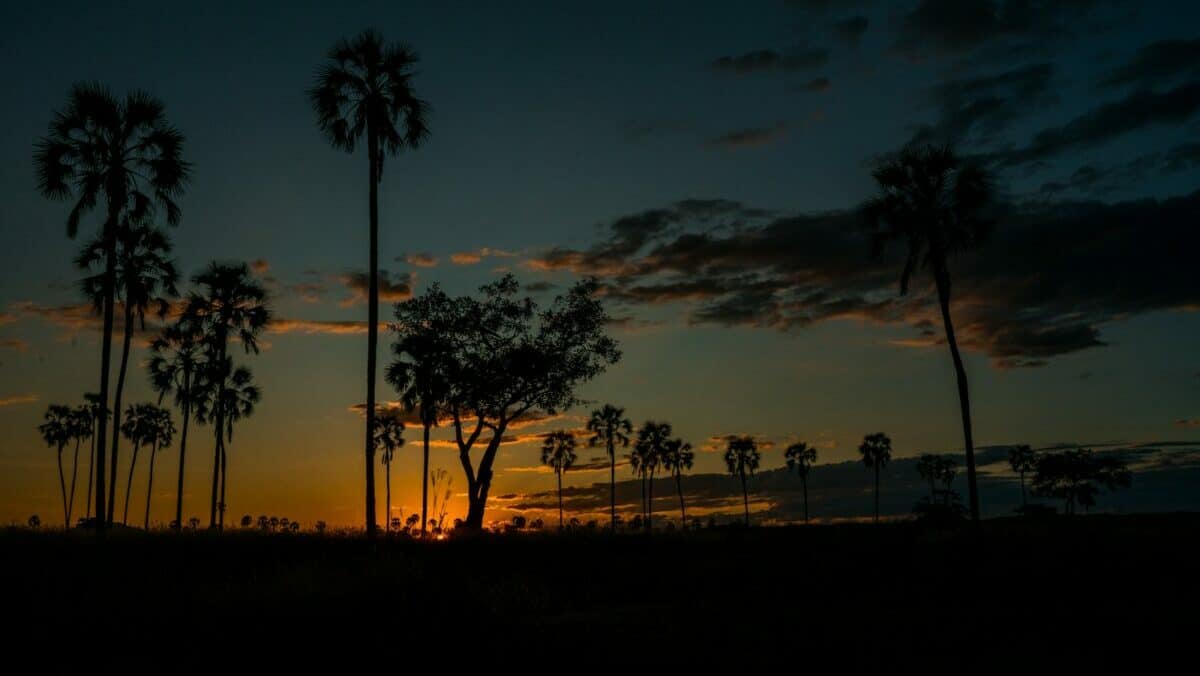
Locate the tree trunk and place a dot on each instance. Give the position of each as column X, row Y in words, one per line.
column 218, row 424
column 387, row 499
column 62, row 484
column 477, row 492
column 110, row 285
column 745, row 498
column 116, row 413
column 650, row 502
column 804, row 486
column 560, row 510
column 642, row 479
column 91, row 476
column 129, row 484
column 612, row 483
column 682, row 510
column 425, row 479
column 74, row 473
column 212, row 500
column 150, row 486
column 877, row 493
column 372, row 319
column 942, row 277
column 187, row 381
column 224, row 481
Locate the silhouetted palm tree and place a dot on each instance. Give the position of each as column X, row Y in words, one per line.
column 741, row 458
column 121, row 156
column 677, row 457
column 230, row 395
column 143, row 272
column 610, row 427
column 175, row 366
column 137, row 428
column 876, row 450
column 229, row 304
column 1022, row 459
column 800, row 457
column 81, row 428
column 366, row 90
column 419, row 375
column 558, row 451
column 927, row 468
column 161, row 431
column 931, row 200
column 651, row 444
column 389, row 435
column 95, row 409
column 56, row 431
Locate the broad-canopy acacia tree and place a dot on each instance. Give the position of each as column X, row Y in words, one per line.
column 509, row 360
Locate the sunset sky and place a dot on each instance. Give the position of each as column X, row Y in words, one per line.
column 705, row 161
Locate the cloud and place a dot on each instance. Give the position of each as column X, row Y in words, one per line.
column 260, row 266
column 976, row 108
column 1183, row 156
column 801, row 57
column 819, row 84
column 1187, row 422
column 14, row 344
column 1017, row 299
column 389, row 291
column 309, row 292
column 420, row 260
column 313, row 326
column 17, row 399
column 851, row 30
column 473, row 257
column 1157, row 63
column 750, row 138
column 1138, row 110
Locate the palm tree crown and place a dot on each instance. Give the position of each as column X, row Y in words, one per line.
column 558, row 451
column 389, row 434
column 145, row 274
column 800, row 457
column 610, row 428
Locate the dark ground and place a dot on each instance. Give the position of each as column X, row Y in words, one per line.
column 1086, row 592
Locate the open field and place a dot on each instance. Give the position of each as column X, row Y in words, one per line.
column 1097, row 591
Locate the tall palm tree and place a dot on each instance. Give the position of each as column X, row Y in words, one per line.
column 175, row 365
column 741, row 459
column 138, row 429
column 932, row 200
column 927, row 468
column 610, row 427
column 876, row 450
column 389, row 435
column 800, row 457
column 56, row 431
column 81, row 428
column 649, row 448
column 95, row 408
column 678, row 457
column 558, row 451
column 419, row 373
column 144, row 271
column 365, row 90
column 230, row 304
column 121, row 156
column 1022, row 459
column 230, row 395
column 161, row 431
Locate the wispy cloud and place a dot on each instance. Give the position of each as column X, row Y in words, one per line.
column 18, row 399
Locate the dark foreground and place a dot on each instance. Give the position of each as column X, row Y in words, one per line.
column 1085, row 592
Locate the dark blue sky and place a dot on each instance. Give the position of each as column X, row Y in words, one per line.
column 552, row 121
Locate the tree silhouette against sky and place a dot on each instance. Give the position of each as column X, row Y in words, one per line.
column 678, row 457
column 365, row 90
column 932, row 200
column 610, row 428
column 876, row 451
column 121, row 156
column 1022, row 460
column 389, row 436
column 56, row 431
column 741, row 459
column 648, row 450
column 558, row 451
column 800, row 458
column 176, row 364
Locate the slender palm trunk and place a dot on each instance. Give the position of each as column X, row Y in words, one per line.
column 110, row 285
column 187, row 381
column 612, row 484
column 642, row 478
column 942, row 277
column 129, row 483
column 62, row 484
column 560, row 510
column 74, row 473
column 150, row 485
column 745, row 498
column 224, row 482
column 218, row 425
column 425, row 479
column 116, row 433
column 650, row 502
column 387, row 500
column 876, row 493
column 804, row 486
column 682, row 510
column 372, row 320
column 216, row 476
column 91, row 475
